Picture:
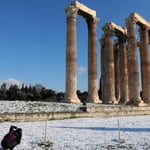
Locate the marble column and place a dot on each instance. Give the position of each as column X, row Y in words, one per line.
column 108, row 53
column 145, row 63
column 117, row 71
column 92, row 61
column 71, row 69
column 123, row 70
column 103, row 76
column 133, row 73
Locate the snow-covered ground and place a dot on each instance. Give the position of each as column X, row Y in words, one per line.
column 76, row 134
column 34, row 107
column 84, row 133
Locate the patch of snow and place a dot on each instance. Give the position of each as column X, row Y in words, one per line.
column 84, row 133
column 76, row 134
column 35, row 107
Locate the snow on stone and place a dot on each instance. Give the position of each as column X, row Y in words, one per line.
column 34, row 107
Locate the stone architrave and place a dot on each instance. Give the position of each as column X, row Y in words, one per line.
column 123, row 70
column 108, row 54
column 145, row 63
column 133, row 73
column 92, row 61
column 71, row 70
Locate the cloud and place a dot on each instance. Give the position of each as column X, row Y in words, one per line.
column 82, row 70
column 11, row 81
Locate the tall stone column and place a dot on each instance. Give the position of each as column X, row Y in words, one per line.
column 103, row 76
column 109, row 83
column 117, row 71
column 71, row 69
column 134, row 85
column 92, row 61
column 145, row 63
column 123, row 70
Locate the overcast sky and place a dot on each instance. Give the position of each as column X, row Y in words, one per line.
column 33, row 38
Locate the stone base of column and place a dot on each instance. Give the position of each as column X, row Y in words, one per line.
column 95, row 100
column 146, row 99
column 138, row 102
column 114, row 101
column 75, row 100
column 123, row 101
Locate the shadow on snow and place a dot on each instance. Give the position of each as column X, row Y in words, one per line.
column 107, row 129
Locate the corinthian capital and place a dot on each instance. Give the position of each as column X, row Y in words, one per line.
column 108, row 29
column 131, row 20
column 92, row 22
column 71, row 11
column 95, row 20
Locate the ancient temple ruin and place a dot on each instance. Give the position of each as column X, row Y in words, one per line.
column 120, row 81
